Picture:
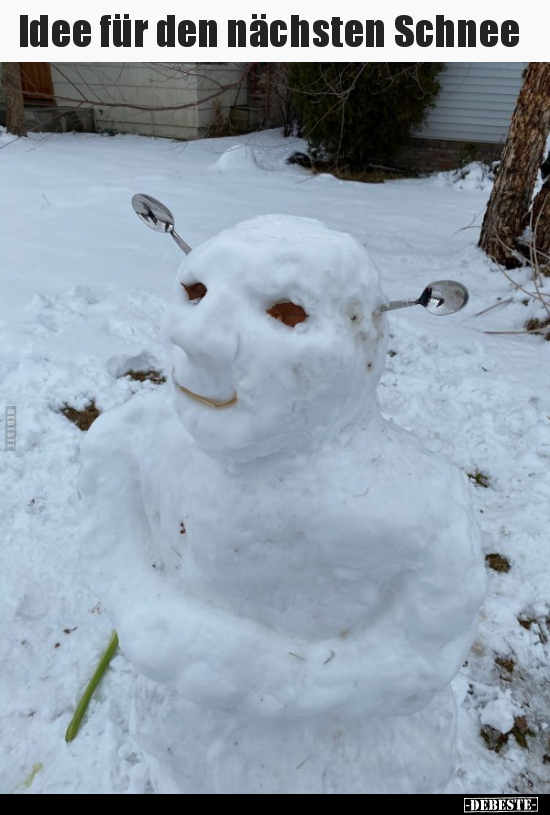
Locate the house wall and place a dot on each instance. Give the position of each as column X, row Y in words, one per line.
column 475, row 103
column 470, row 119
column 166, row 85
column 210, row 76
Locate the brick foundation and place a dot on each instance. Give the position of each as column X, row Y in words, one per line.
column 429, row 155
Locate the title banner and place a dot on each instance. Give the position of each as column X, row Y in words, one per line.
column 328, row 31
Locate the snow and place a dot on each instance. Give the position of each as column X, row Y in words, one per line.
column 499, row 713
column 87, row 286
column 473, row 177
column 236, row 159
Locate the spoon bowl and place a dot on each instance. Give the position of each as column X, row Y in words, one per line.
column 158, row 217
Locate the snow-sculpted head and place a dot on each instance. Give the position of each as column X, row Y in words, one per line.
column 273, row 337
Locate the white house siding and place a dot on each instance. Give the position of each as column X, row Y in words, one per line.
column 476, row 102
column 149, row 85
column 210, row 76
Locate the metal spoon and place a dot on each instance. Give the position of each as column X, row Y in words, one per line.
column 440, row 298
column 157, row 217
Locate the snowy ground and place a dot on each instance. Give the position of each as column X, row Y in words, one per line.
column 84, row 286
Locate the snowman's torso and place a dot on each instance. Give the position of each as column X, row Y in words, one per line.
column 313, row 548
column 307, row 543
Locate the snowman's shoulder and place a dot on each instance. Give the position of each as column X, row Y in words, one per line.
column 125, row 425
column 410, row 459
column 123, row 438
column 406, row 483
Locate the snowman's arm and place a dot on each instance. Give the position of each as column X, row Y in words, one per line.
column 225, row 662
column 425, row 623
column 392, row 665
column 397, row 663
column 213, row 657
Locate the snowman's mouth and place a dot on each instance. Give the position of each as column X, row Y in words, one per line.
column 204, row 400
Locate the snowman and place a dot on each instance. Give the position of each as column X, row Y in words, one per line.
column 295, row 579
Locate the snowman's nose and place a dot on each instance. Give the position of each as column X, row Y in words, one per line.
column 205, row 340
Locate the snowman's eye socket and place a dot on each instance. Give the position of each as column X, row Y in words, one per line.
column 288, row 313
column 195, row 291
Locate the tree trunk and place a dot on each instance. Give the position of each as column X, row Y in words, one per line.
column 15, row 112
column 541, row 222
column 523, row 154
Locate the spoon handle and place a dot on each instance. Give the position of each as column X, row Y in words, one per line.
column 180, row 242
column 393, row 304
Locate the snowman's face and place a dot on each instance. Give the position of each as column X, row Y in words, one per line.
column 273, row 338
